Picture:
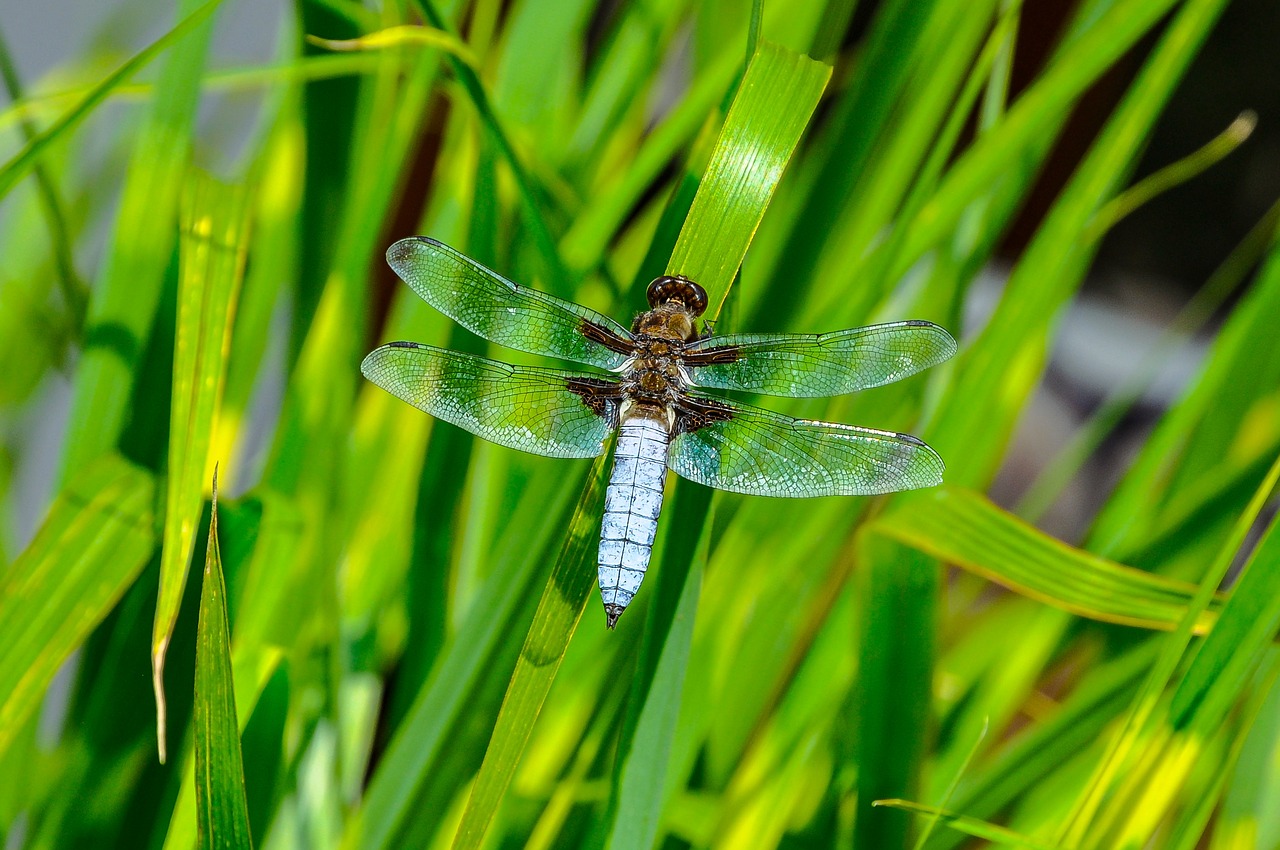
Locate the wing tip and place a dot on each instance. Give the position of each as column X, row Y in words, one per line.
column 949, row 346
column 374, row 357
column 401, row 249
column 930, row 463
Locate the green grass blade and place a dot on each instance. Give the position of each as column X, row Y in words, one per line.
column 15, row 169
column 215, row 226
column 964, row 528
column 561, row 606
column 773, row 105
column 1221, row 285
column 1217, row 678
column 422, row 748
column 977, row 416
column 123, row 304
column 97, row 537
column 1173, row 175
column 223, row 812
column 898, row 624
column 969, row 826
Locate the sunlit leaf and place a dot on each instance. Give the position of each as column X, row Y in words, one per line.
column 219, row 777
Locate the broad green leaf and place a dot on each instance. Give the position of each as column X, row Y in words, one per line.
column 219, row 777
column 566, row 594
column 215, row 226
column 97, row 537
column 775, row 100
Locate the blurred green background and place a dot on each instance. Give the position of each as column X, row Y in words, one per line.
column 1069, row 644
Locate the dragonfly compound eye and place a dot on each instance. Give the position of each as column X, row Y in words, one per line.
column 678, row 288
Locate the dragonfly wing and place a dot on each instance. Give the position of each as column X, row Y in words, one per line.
column 748, row 450
column 489, row 305
column 805, row 365
column 543, row 411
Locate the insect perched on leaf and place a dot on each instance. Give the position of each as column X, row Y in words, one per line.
column 660, row 421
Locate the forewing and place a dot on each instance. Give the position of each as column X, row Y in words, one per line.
column 543, row 411
column 805, row 365
column 748, row 450
column 516, row 316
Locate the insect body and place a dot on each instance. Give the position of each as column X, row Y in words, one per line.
column 652, row 400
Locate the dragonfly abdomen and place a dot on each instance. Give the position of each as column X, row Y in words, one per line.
column 632, row 503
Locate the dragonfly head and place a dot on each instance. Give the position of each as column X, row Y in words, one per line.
column 678, row 288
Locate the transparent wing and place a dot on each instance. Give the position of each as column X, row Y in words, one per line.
column 748, row 450
column 804, row 365
column 543, row 411
column 493, row 307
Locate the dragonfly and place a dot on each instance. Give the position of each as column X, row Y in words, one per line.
column 648, row 396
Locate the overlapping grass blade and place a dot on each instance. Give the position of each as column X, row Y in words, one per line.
column 1235, row 381
column 97, row 537
column 15, row 169
column 1220, row 286
column 559, row 610
column 976, row 417
column 422, row 751
column 969, row 826
column 220, row 798
column 122, row 307
column 214, row 242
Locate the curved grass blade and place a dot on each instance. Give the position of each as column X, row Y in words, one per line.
column 964, row 528
column 215, row 224
column 97, row 537
column 1173, row 175
column 222, row 810
column 15, row 169
column 403, row 34
column 1225, row 280
column 969, row 826
column 572, row 580
column 1217, row 675
column 775, row 100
